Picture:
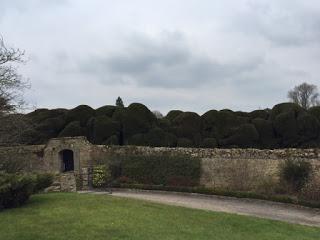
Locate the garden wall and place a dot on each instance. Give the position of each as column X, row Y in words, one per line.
column 234, row 168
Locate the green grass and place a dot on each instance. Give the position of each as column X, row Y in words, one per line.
column 78, row 216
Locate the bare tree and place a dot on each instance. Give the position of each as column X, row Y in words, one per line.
column 11, row 82
column 158, row 114
column 306, row 95
column 12, row 86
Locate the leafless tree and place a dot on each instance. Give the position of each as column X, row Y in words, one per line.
column 11, row 82
column 306, row 95
column 158, row 114
column 12, row 86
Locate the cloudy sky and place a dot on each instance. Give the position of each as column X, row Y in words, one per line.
column 192, row 55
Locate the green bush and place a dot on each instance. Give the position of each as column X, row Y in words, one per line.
column 156, row 137
column 42, row 181
column 40, row 115
column 315, row 111
column 15, row 189
column 81, row 114
column 263, row 114
column 188, row 125
column 135, row 119
column 209, row 143
column 100, row 128
column 106, row 111
column 101, row 176
column 266, row 133
column 295, row 174
column 284, row 108
column 113, row 140
column 308, row 127
column 73, row 129
column 162, row 169
column 184, row 142
column 221, row 124
column 173, row 114
column 286, row 127
column 245, row 136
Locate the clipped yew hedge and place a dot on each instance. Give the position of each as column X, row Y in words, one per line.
column 162, row 169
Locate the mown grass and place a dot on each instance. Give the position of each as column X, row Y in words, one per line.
column 79, row 216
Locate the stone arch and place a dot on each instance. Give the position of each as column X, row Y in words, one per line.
column 67, row 160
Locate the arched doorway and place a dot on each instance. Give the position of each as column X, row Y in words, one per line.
column 67, row 161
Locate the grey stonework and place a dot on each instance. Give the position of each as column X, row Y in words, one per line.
column 220, row 167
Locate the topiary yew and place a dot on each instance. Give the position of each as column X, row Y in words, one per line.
column 245, row 136
column 100, row 128
column 81, row 114
column 73, row 129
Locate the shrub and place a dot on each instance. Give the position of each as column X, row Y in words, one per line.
column 283, row 108
column 156, row 137
column 296, row 174
column 113, row 140
column 184, row 142
column 101, row 176
column 265, row 129
column 81, row 113
column 221, row 124
column 73, row 129
column 173, row 114
column 162, row 169
column 245, row 136
column 308, row 127
column 263, row 114
column 15, row 189
column 209, row 143
column 42, row 181
column 315, row 111
column 100, row 128
column 107, row 110
column 286, row 127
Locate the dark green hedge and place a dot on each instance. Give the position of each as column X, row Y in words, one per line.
column 285, row 125
column 163, row 169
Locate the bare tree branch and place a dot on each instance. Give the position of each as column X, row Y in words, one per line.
column 306, row 95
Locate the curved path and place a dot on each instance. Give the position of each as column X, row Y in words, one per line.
column 258, row 208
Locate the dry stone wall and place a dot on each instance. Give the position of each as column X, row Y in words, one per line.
column 229, row 168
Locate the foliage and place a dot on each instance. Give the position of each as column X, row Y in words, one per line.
column 101, row 176
column 245, row 136
column 162, row 169
column 42, row 181
column 73, row 129
column 15, row 189
column 296, row 174
column 285, row 125
column 105, row 111
column 119, row 102
column 101, row 128
column 209, row 143
column 80, row 114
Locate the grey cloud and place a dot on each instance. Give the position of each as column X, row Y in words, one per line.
column 289, row 24
column 168, row 63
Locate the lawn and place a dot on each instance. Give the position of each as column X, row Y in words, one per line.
column 73, row 216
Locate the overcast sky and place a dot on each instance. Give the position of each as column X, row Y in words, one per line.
column 192, row 55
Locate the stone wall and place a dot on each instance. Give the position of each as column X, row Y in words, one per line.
column 234, row 168
column 228, row 168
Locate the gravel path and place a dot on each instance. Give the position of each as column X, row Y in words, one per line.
column 258, row 208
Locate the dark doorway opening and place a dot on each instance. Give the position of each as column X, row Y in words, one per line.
column 67, row 160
